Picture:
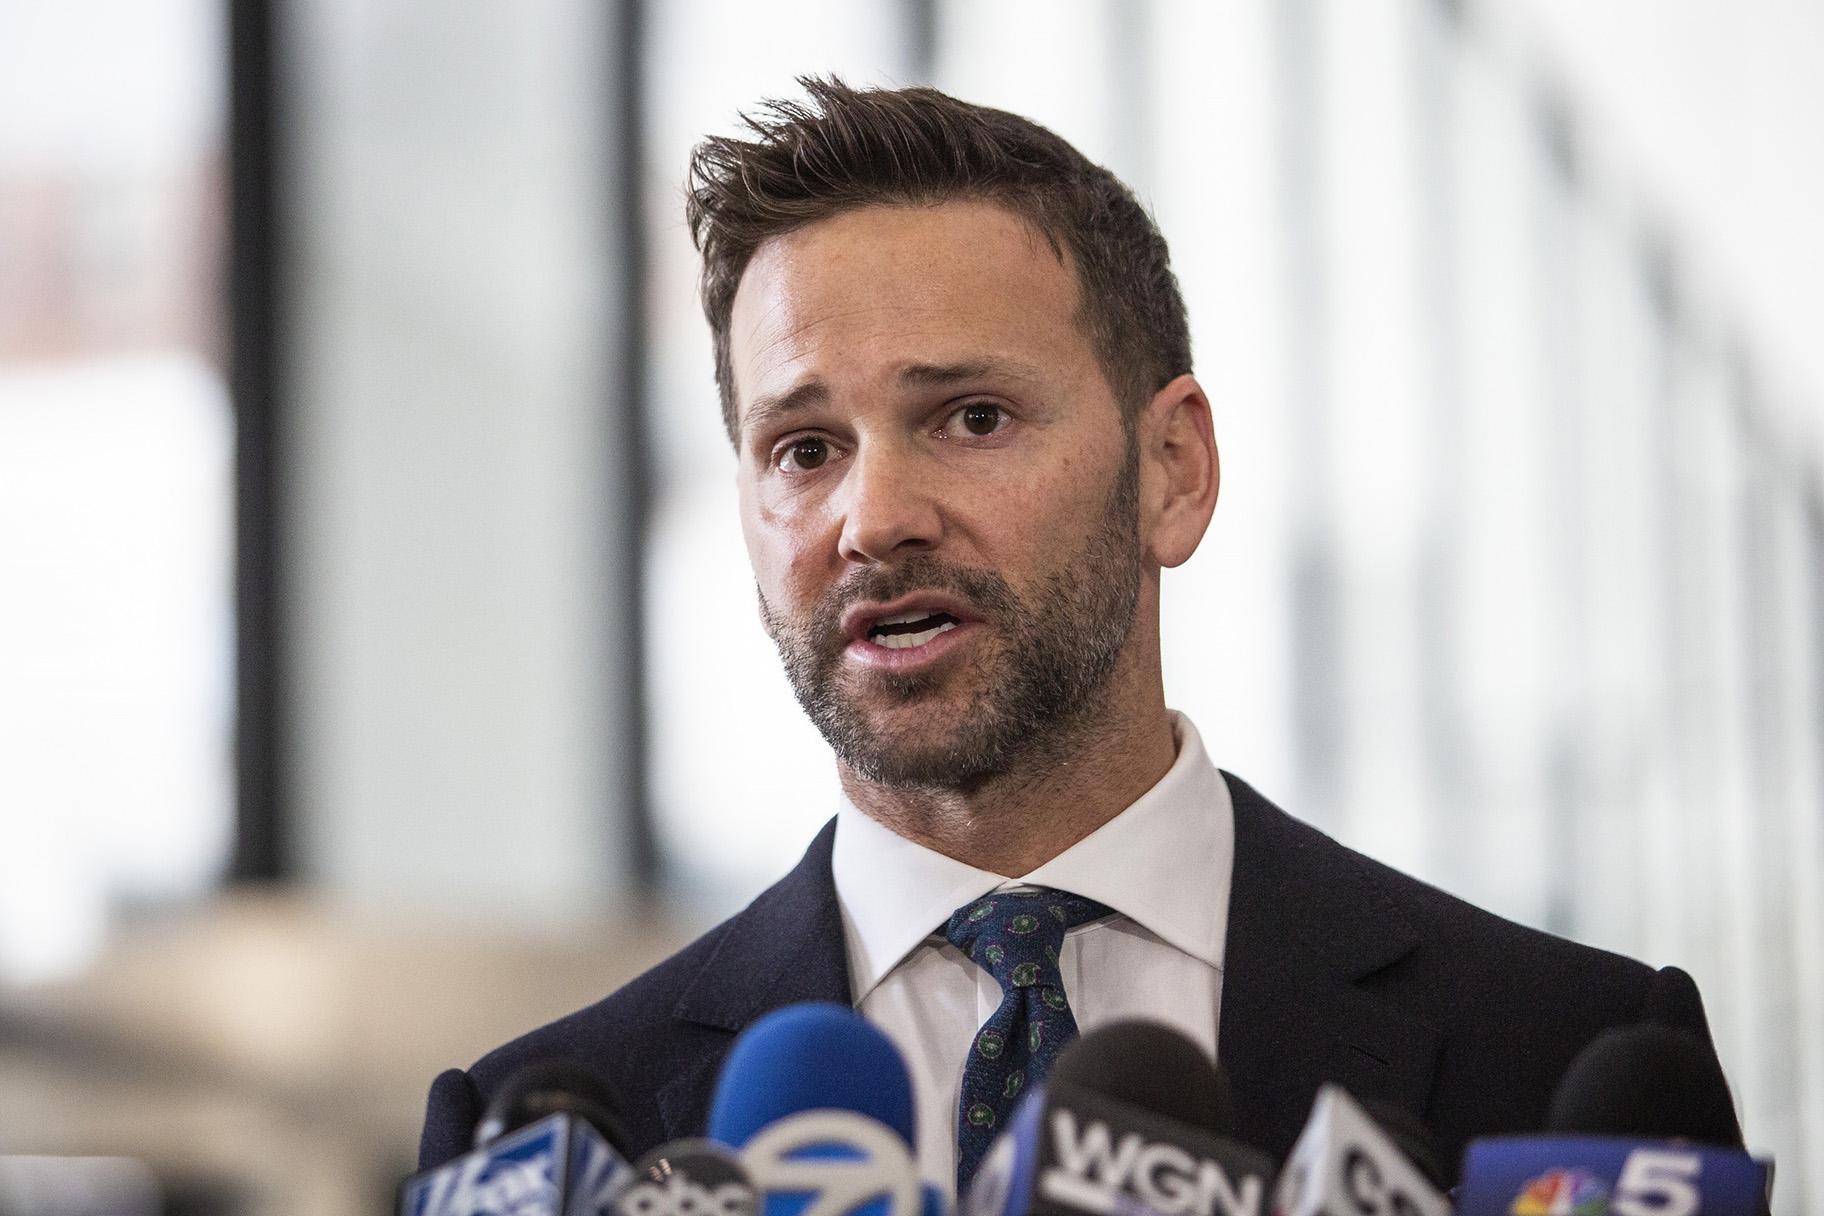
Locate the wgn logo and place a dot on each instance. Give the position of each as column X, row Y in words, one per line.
column 1097, row 1173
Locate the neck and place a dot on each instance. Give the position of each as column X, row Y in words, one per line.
column 1080, row 776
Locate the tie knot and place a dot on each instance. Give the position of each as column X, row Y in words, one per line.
column 1015, row 936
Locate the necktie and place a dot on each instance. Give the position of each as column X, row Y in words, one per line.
column 1015, row 937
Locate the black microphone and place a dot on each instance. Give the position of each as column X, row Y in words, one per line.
column 1649, row 1082
column 1133, row 1121
column 1127, row 1061
column 1348, row 1161
column 550, row 1087
column 1641, row 1122
column 548, row 1144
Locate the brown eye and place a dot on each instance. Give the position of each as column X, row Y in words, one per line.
column 808, row 453
column 981, row 418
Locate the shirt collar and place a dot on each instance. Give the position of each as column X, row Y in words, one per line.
column 1164, row 862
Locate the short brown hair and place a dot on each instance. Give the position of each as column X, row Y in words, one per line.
column 850, row 148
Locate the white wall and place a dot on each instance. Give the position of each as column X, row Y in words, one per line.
column 453, row 402
column 1718, row 107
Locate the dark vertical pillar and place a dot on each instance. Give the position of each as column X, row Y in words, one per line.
column 638, row 841
column 262, row 845
column 920, row 31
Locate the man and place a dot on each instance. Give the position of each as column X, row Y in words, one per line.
column 955, row 367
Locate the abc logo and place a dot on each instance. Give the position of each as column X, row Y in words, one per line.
column 679, row 1196
column 688, row 1178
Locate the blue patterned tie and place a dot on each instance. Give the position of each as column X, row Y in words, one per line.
column 1015, row 937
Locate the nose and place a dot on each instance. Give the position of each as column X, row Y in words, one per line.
column 890, row 510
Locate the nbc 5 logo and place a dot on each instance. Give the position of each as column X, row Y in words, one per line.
column 1657, row 1182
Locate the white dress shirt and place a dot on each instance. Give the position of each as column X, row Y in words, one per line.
column 1163, row 865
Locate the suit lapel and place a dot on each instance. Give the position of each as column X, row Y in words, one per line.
column 1308, row 923
column 784, row 948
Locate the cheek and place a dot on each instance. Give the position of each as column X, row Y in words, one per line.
column 786, row 550
column 1063, row 503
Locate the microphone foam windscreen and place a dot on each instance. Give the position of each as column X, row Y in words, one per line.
column 1153, row 1067
column 549, row 1087
column 810, row 1057
column 1647, row 1081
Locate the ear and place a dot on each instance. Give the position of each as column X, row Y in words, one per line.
column 1179, row 470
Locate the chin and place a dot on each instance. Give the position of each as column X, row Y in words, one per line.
column 924, row 746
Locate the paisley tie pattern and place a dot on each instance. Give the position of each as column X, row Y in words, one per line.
column 1015, row 937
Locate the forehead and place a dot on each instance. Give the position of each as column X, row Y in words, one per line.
column 858, row 296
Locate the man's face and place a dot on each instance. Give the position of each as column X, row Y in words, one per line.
column 938, row 494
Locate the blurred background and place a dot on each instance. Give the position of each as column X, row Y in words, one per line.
column 371, row 591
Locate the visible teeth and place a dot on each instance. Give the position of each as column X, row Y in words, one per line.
column 904, row 618
column 905, row 641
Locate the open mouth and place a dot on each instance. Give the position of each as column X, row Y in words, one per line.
column 910, row 629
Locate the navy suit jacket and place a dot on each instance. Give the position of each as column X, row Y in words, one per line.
column 1337, row 968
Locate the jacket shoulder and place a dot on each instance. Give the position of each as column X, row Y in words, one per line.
column 667, row 1027
column 1476, row 947
column 1511, row 1005
column 627, row 1038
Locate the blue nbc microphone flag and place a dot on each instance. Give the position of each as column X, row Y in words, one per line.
column 1608, row 1176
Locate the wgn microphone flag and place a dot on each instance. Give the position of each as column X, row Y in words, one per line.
column 817, row 1104
column 1133, row 1121
column 1344, row 1164
column 1630, row 1121
column 543, row 1148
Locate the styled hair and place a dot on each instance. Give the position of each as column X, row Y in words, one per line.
column 847, row 148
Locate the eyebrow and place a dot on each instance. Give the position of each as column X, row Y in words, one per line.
column 766, row 410
column 937, row 375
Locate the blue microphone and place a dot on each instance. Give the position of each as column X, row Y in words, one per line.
column 1641, row 1125
column 818, row 1105
column 543, row 1148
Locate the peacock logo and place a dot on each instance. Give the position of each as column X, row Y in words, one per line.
column 1562, row 1193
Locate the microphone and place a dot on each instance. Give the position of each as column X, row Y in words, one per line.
column 547, row 1145
column 1641, row 1122
column 1646, row 1081
column 1346, row 1162
column 817, row 1103
column 688, row 1178
column 1132, row 1121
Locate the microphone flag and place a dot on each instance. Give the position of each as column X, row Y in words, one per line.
column 1345, row 1163
column 557, row 1166
column 1072, row 1152
column 1608, row 1176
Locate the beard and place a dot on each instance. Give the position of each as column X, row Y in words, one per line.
column 1046, row 669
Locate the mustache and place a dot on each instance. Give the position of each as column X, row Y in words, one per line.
column 986, row 592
